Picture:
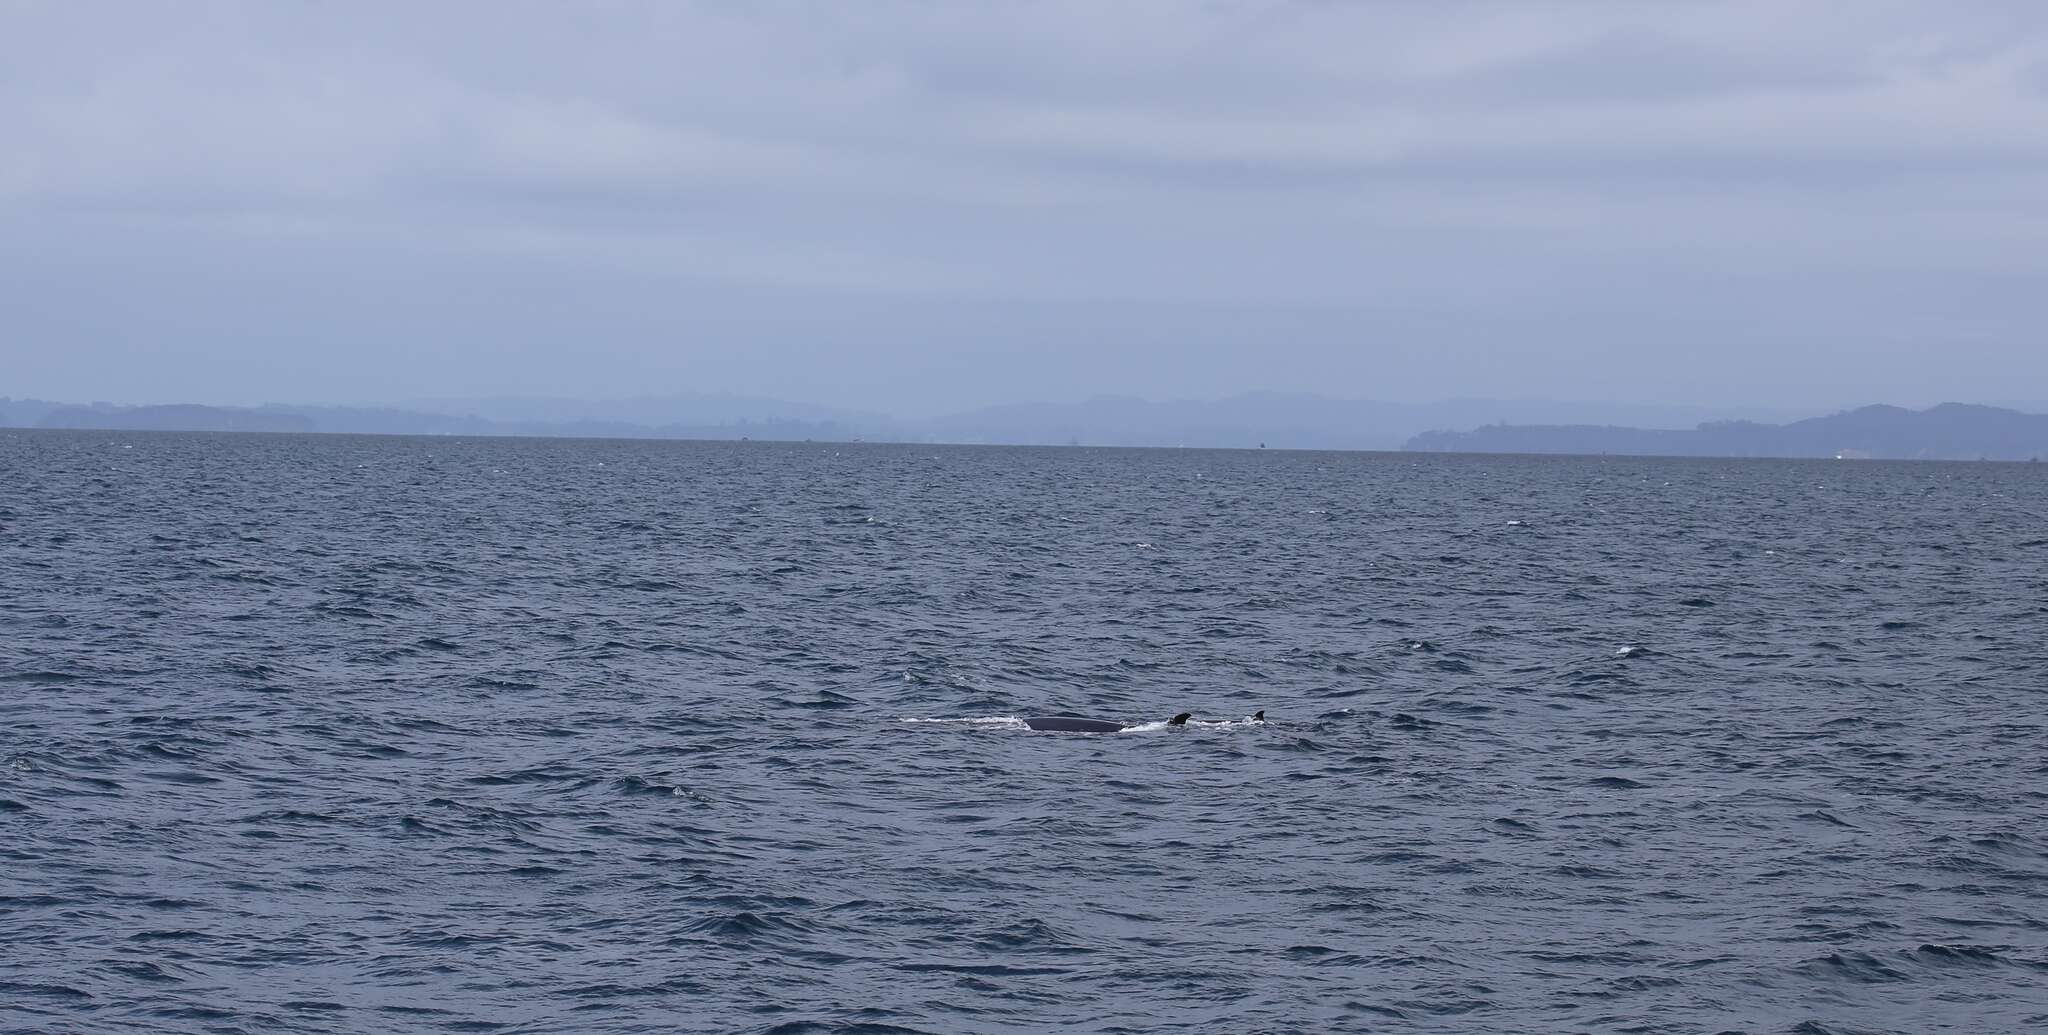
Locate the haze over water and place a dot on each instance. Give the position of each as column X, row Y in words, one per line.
column 306, row 733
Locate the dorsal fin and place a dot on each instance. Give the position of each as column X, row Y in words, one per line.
column 1181, row 719
column 1260, row 717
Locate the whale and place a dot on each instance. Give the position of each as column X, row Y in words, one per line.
column 1077, row 724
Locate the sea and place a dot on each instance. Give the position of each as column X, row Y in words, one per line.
column 388, row 734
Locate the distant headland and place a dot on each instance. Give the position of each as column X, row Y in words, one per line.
column 377, row 420
column 1950, row 431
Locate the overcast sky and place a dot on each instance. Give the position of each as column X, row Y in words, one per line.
column 917, row 207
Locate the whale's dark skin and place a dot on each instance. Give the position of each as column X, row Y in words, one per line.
column 1075, row 724
column 1072, row 724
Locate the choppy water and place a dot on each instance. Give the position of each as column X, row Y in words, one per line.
column 372, row 734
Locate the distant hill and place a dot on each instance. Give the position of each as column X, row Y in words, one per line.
column 1950, row 431
column 1290, row 421
column 172, row 418
column 678, row 409
column 24, row 413
column 1281, row 420
column 388, row 421
column 1248, row 420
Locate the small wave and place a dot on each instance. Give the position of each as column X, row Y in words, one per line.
column 1034, row 936
column 538, row 774
column 1616, row 783
column 182, row 776
column 634, row 785
column 1965, row 956
column 44, row 990
column 825, row 701
column 1817, row 1028
column 742, row 925
column 984, row 969
column 1825, row 817
column 1855, row 967
column 47, row 676
column 313, row 1005
column 143, row 970
column 1375, row 1009
column 842, row 1028
column 175, row 935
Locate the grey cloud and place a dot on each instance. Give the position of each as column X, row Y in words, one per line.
column 884, row 204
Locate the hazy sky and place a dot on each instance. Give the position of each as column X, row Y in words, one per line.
column 915, row 207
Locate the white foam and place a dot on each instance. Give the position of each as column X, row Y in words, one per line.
column 1227, row 724
column 999, row 722
column 1014, row 722
column 1206, row 724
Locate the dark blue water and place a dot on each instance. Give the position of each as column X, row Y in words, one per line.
column 379, row 734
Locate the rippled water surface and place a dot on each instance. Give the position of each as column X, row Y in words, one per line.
column 381, row 734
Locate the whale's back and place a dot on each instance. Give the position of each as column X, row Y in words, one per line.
column 1071, row 724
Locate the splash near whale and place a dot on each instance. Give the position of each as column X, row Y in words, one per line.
column 1078, row 724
